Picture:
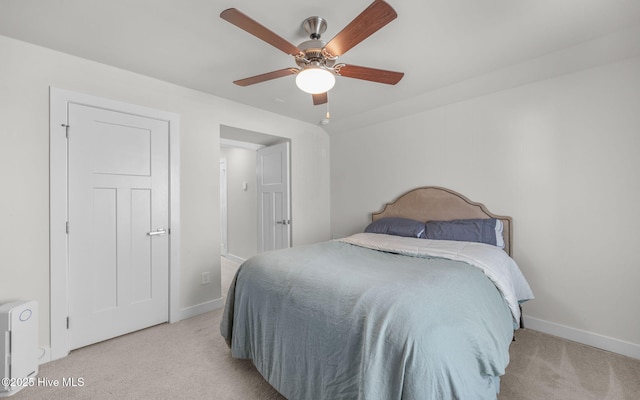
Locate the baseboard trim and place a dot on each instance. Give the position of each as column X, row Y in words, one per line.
column 201, row 308
column 589, row 338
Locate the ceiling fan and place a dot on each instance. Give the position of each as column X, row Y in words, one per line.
column 316, row 60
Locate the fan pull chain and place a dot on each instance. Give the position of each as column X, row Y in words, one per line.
column 327, row 117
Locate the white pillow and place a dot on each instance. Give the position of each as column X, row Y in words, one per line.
column 499, row 238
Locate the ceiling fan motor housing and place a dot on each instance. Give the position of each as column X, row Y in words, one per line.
column 312, row 50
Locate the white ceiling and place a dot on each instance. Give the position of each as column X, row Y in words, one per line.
column 437, row 43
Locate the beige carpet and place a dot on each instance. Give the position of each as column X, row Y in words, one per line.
column 189, row 360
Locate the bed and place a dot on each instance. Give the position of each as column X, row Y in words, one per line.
column 383, row 314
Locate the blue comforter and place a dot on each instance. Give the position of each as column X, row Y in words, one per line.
column 338, row 321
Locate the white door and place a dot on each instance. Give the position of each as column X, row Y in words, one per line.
column 118, row 223
column 274, row 217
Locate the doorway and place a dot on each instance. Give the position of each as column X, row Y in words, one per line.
column 239, row 150
column 102, row 181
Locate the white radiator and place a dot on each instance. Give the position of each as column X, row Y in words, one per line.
column 18, row 346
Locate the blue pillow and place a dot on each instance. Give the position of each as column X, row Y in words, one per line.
column 468, row 230
column 397, row 226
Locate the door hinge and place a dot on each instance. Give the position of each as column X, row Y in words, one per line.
column 66, row 128
column 67, row 227
column 67, row 322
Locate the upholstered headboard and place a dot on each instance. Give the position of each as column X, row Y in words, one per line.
column 432, row 203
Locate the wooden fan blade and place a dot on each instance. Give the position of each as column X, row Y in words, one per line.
column 374, row 17
column 369, row 74
column 244, row 22
column 320, row 98
column 266, row 77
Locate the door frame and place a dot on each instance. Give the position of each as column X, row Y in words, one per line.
column 58, row 207
column 224, row 233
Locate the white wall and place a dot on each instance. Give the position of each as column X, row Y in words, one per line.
column 27, row 72
column 242, row 205
column 561, row 156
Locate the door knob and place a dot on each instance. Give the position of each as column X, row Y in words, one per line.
column 157, row 232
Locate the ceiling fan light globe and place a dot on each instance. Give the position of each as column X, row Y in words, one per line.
column 315, row 80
